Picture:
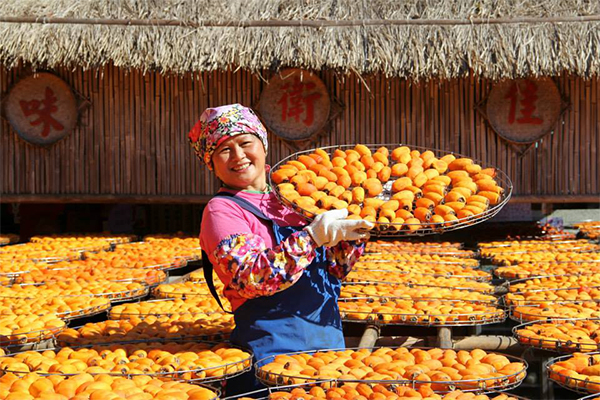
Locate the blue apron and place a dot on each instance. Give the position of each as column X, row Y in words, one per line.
column 303, row 317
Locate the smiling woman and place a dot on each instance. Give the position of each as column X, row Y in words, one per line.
column 239, row 162
column 282, row 278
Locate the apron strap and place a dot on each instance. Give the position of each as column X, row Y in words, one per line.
column 207, row 268
column 206, row 264
column 245, row 204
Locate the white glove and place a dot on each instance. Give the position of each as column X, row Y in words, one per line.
column 331, row 227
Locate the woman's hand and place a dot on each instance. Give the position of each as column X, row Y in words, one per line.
column 331, row 227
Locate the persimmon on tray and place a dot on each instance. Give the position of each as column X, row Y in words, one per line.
column 37, row 252
column 20, row 329
column 492, row 249
column 349, row 391
column 404, row 244
column 556, row 282
column 590, row 229
column 188, row 246
column 425, row 312
column 547, row 256
column 560, row 335
column 387, row 290
column 420, row 258
column 198, row 361
column 434, row 269
column 549, row 296
column 84, row 386
column 112, row 290
column 138, row 257
column 96, row 236
column 65, row 307
column 180, row 326
column 8, row 238
column 579, row 372
column 404, row 191
column 184, row 289
column 166, row 307
column 416, row 279
column 538, row 269
column 549, row 311
column 90, row 270
column 436, row 369
column 432, row 248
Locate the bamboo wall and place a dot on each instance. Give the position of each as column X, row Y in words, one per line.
column 131, row 141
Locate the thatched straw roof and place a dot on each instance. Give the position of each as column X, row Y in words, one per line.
column 496, row 50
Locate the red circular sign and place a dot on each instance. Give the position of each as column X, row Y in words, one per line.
column 42, row 109
column 295, row 104
column 523, row 110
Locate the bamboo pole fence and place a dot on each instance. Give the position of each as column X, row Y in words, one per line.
column 130, row 144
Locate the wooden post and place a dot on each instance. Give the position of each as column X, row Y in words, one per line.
column 444, row 338
column 369, row 337
column 490, row 342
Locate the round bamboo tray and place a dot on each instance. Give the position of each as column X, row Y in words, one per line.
column 543, row 271
column 83, row 312
column 31, row 337
column 553, row 344
column 404, row 230
column 569, row 382
column 123, row 315
column 348, row 291
column 481, row 287
column 521, row 316
column 493, row 316
column 192, row 375
column 290, row 392
column 483, row 385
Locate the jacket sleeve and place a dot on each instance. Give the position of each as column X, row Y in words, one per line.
column 260, row 271
column 342, row 257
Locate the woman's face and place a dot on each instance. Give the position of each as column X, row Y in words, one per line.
column 239, row 162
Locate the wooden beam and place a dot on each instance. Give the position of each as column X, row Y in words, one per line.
column 593, row 198
column 98, row 198
column 300, row 23
column 203, row 199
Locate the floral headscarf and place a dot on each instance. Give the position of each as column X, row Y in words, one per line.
column 221, row 123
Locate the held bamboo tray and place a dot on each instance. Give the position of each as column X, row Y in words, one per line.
column 573, row 380
column 202, row 374
column 544, row 342
column 590, row 397
column 291, row 375
column 404, row 229
column 491, row 314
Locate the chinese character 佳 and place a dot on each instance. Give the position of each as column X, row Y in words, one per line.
column 295, row 101
column 528, row 107
column 43, row 109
